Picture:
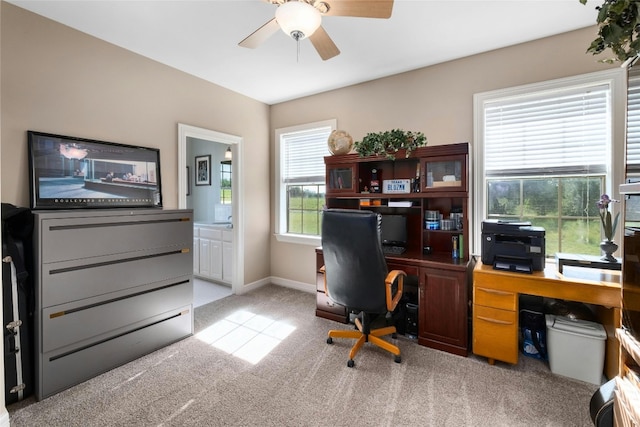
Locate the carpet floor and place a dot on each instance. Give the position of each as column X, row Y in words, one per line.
column 261, row 359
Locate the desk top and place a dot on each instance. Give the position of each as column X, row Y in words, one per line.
column 588, row 285
column 418, row 259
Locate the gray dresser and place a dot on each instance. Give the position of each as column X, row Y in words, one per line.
column 111, row 286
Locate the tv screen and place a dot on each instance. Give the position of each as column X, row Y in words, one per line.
column 393, row 230
column 67, row 172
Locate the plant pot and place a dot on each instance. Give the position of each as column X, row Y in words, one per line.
column 608, row 247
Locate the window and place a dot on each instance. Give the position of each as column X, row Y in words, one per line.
column 544, row 154
column 633, row 123
column 632, row 204
column 301, row 180
column 225, row 182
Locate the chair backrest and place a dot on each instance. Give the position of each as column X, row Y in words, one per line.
column 355, row 267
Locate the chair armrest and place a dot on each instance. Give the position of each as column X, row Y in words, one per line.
column 392, row 277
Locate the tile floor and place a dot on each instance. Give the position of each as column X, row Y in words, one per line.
column 205, row 292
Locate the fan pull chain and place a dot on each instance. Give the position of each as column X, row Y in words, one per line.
column 297, row 35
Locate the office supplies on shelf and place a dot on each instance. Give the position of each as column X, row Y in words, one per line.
column 400, row 203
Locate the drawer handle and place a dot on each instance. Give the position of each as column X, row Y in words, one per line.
column 495, row 292
column 490, row 320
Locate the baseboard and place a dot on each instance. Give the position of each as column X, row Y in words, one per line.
column 286, row 283
column 254, row 285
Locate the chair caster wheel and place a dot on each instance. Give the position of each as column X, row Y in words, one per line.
column 351, row 363
column 397, row 359
column 329, row 340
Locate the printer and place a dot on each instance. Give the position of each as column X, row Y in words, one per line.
column 513, row 246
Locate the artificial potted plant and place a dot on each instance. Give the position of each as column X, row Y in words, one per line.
column 388, row 143
column 608, row 246
column 618, row 29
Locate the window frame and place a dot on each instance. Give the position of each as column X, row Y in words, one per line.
column 280, row 214
column 615, row 78
column 223, row 174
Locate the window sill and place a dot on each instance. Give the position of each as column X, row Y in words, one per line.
column 299, row 239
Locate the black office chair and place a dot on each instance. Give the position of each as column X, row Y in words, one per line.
column 356, row 276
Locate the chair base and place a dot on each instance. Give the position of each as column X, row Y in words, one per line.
column 361, row 337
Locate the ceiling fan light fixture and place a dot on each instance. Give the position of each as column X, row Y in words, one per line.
column 298, row 19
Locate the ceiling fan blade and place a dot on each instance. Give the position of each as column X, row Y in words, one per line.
column 261, row 34
column 326, row 48
column 360, row 8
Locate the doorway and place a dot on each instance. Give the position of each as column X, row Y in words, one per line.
column 186, row 135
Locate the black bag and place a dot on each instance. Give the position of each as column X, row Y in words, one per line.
column 18, row 302
column 533, row 328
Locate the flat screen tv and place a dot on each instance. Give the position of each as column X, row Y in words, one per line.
column 66, row 172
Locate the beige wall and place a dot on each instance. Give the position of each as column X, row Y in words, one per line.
column 58, row 80
column 436, row 100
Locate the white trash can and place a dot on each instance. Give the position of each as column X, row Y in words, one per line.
column 576, row 348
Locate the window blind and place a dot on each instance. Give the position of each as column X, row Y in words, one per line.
column 548, row 133
column 304, row 153
column 633, row 122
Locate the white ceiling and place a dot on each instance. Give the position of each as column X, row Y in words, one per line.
column 201, row 37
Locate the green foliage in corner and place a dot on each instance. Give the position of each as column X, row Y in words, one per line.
column 388, row 143
column 618, row 29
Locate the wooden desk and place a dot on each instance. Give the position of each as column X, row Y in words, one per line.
column 443, row 301
column 495, row 306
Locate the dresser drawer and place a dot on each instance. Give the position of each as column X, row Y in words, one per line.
column 78, row 238
column 495, row 333
column 77, row 280
column 495, row 298
column 76, row 325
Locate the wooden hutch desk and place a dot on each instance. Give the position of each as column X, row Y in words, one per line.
column 435, row 180
column 495, row 306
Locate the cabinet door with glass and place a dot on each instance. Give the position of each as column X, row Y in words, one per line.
column 341, row 178
column 444, row 173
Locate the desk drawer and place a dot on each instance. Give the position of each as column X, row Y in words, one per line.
column 495, row 333
column 324, row 303
column 495, row 298
column 411, row 270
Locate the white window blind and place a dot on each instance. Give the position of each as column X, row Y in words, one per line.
column 304, row 153
column 548, row 133
column 633, row 122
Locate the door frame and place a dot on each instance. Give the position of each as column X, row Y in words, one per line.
column 187, row 131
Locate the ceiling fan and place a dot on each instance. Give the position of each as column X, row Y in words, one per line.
column 302, row 18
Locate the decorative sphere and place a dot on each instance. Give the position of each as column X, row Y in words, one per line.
column 339, row 142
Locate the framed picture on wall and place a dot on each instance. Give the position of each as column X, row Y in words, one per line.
column 203, row 170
